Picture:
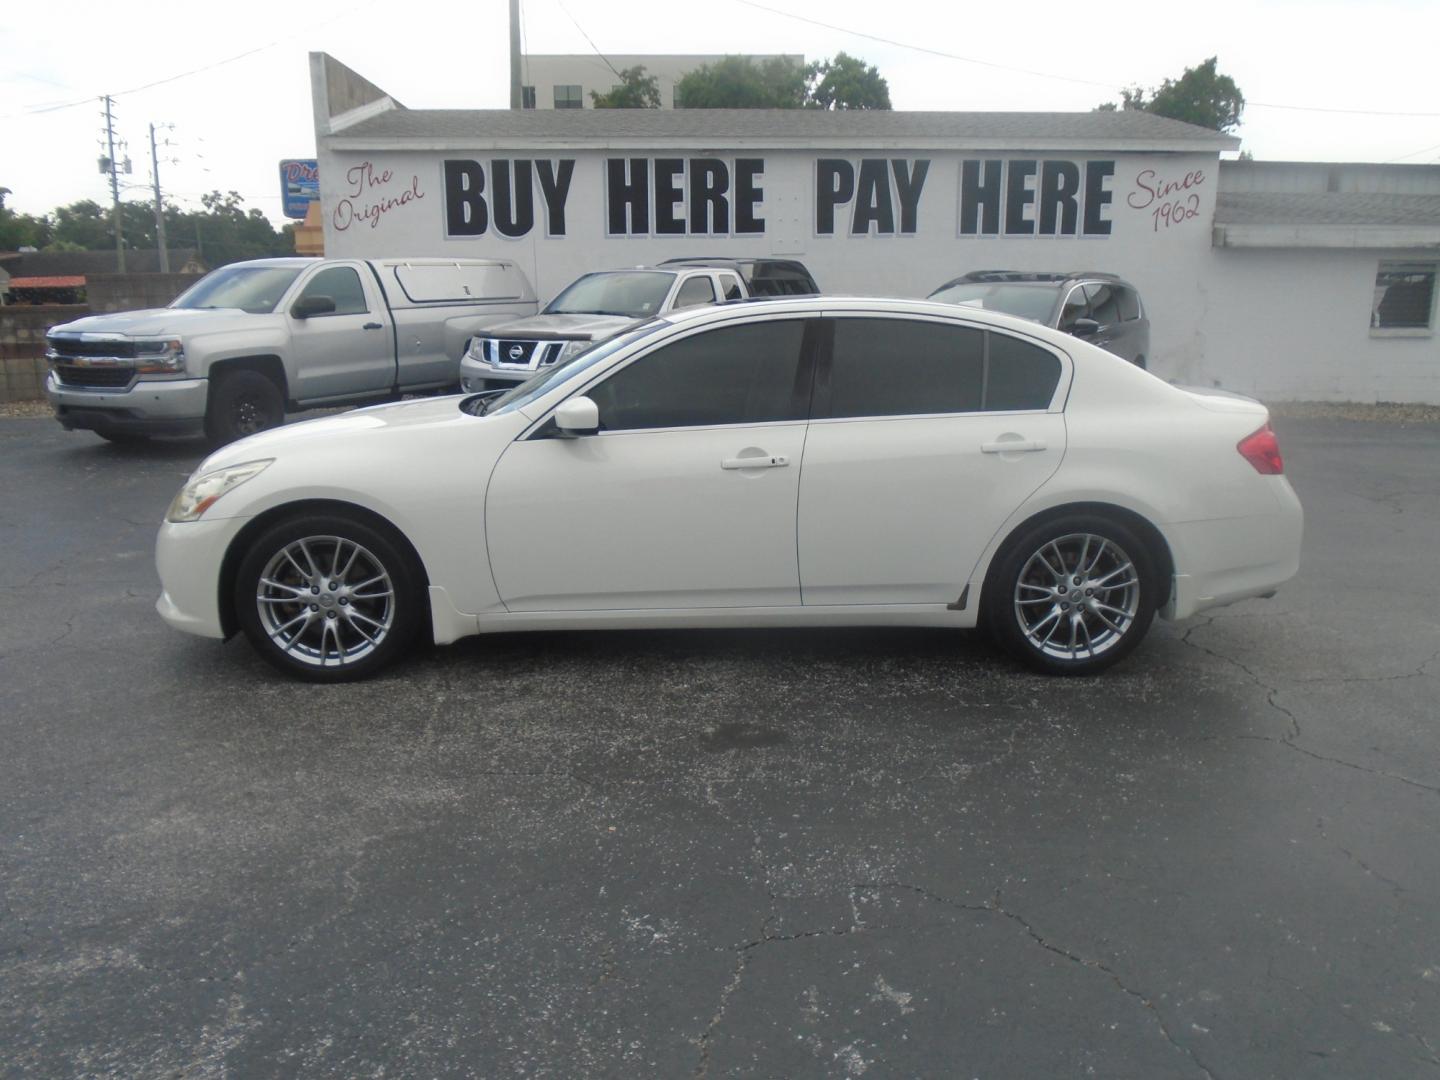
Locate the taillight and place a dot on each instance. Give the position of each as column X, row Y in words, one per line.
column 1262, row 449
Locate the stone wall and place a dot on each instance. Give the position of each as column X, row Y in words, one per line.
column 22, row 346
column 133, row 292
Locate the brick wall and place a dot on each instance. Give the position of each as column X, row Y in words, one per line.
column 134, row 292
column 22, row 346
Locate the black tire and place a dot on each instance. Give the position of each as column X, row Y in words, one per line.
column 1034, row 616
column 371, row 593
column 242, row 403
column 123, row 438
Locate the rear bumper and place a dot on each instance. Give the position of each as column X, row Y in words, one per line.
column 159, row 407
column 1222, row 562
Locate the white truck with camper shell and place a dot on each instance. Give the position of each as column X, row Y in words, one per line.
column 254, row 339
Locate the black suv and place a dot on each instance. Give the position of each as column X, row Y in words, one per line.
column 763, row 277
column 1100, row 308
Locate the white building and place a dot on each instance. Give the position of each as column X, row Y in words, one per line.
column 565, row 81
column 1285, row 281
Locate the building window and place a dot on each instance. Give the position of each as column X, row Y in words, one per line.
column 568, row 97
column 527, row 97
column 1404, row 300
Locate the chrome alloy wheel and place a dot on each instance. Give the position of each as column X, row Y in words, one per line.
column 325, row 601
column 1077, row 597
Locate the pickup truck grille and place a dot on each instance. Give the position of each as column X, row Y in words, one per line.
column 71, row 347
column 106, row 377
column 519, row 353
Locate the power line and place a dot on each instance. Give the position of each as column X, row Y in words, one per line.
column 1046, row 74
column 587, row 38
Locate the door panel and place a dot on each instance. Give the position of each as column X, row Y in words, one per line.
column 898, row 510
column 647, row 519
column 351, row 351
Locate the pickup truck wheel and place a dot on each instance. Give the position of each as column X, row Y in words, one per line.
column 329, row 598
column 242, row 403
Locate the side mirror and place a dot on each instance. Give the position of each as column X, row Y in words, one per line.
column 577, row 416
column 1084, row 328
column 308, row 306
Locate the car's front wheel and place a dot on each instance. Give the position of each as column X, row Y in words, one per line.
column 328, row 597
column 1073, row 595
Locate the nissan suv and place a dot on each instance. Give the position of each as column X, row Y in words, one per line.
column 1099, row 308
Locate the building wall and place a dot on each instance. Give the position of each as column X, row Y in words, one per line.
column 395, row 203
column 591, row 72
column 1286, row 325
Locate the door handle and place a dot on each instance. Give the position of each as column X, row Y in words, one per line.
column 373, row 326
column 1012, row 446
column 774, row 461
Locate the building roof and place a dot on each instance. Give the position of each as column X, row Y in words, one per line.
column 60, row 263
column 61, row 282
column 1325, row 208
column 477, row 128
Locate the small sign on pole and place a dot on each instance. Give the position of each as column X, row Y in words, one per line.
column 299, row 185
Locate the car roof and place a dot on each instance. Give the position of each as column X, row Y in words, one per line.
column 1034, row 277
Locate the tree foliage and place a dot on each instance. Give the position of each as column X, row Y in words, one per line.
column 740, row 82
column 847, row 82
column 1200, row 96
column 223, row 230
column 635, row 90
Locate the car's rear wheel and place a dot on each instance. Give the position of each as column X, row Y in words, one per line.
column 1073, row 595
column 329, row 598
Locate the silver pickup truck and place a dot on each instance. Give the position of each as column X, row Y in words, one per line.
column 253, row 339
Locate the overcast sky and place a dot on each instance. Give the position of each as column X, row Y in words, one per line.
column 238, row 115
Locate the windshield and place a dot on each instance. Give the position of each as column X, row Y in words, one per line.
column 1034, row 302
column 635, row 294
column 544, row 381
column 256, row 289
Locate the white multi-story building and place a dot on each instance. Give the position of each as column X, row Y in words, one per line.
column 560, row 81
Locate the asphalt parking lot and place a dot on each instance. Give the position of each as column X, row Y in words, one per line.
column 878, row 853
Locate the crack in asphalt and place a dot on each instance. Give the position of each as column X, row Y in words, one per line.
column 1289, row 740
column 995, row 907
column 1395, row 887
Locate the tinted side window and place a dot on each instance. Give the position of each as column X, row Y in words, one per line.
column 1020, row 375
column 1129, row 303
column 1076, row 307
column 732, row 375
column 1103, row 308
column 899, row 367
column 695, row 292
column 731, row 284
column 341, row 284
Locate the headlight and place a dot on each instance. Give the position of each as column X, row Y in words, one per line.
column 572, row 348
column 475, row 350
column 200, row 492
column 159, row 357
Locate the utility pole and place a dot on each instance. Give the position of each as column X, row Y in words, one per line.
column 113, row 170
column 515, row 101
column 159, row 209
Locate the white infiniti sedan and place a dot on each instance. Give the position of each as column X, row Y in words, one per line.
column 808, row 462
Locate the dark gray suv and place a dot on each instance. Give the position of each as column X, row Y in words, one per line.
column 1100, row 308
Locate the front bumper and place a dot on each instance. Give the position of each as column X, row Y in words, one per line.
column 148, row 406
column 476, row 376
column 188, row 557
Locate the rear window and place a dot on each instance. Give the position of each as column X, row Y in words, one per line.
column 1129, row 301
column 435, row 283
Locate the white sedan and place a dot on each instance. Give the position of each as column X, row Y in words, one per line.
column 808, row 462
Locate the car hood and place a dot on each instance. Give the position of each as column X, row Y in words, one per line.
column 352, row 425
column 159, row 322
column 583, row 327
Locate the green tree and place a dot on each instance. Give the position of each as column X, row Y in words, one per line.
column 847, row 82
column 738, row 82
column 20, row 230
column 1200, row 96
column 223, row 229
column 635, row 90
